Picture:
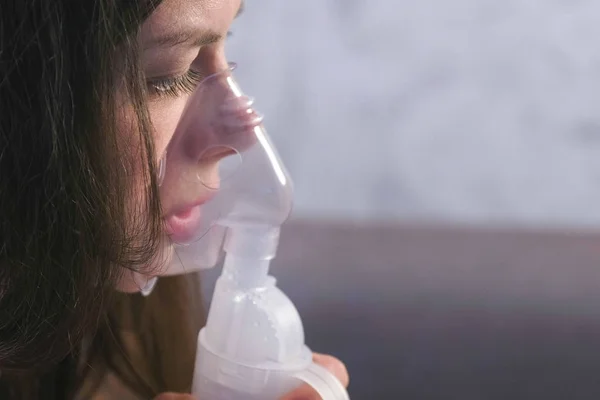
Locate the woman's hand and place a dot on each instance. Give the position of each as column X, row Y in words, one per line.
column 304, row 392
column 335, row 366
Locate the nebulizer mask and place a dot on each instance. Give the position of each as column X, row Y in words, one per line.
column 252, row 346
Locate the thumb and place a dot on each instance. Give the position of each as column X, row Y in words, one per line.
column 174, row 396
column 334, row 365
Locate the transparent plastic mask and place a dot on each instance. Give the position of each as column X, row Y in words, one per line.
column 223, row 164
column 221, row 154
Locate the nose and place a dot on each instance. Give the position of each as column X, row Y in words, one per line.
column 237, row 114
column 218, row 114
column 218, row 123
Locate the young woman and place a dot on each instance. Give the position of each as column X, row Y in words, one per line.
column 91, row 92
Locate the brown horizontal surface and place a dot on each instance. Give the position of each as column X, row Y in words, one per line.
column 446, row 312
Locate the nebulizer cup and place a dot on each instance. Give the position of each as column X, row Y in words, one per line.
column 252, row 346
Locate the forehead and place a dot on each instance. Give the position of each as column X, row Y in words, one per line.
column 173, row 16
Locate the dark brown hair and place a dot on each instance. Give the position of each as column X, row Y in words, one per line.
column 67, row 228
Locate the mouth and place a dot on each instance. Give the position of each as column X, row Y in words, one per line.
column 182, row 226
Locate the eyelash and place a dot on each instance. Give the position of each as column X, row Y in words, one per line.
column 176, row 86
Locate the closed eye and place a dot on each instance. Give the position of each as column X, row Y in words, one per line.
column 175, row 86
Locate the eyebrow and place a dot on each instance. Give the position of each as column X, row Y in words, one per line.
column 173, row 39
column 190, row 35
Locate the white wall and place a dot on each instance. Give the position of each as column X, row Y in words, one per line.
column 443, row 110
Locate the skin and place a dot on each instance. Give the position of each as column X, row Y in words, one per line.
column 207, row 22
column 204, row 25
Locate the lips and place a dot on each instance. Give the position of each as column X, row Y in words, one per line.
column 182, row 226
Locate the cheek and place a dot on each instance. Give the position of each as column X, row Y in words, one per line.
column 165, row 115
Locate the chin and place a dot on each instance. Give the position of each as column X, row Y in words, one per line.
column 129, row 282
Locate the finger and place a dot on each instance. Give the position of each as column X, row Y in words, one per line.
column 334, row 365
column 304, row 392
column 174, row 396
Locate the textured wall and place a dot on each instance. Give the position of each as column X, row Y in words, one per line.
column 461, row 110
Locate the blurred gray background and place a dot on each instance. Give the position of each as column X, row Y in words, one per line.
column 478, row 111
column 446, row 154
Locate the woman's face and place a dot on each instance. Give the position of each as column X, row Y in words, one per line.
column 181, row 42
